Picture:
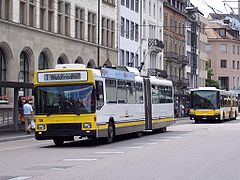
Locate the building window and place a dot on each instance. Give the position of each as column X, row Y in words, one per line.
column 112, row 2
column 188, row 38
column 42, row 62
column 223, row 48
column 104, row 31
column 42, row 14
column 60, row 17
column 113, row 34
column 144, row 5
column 136, row 63
column 79, row 23
column 132, row 58
column 123, row 2
column 5, row 9
column 224, row 82
column 208, row 48
column 23, row 11
column 108, row 32
column 149, row 7
column 3, row 71
column 127, row 28
column 127, row 3
column 67, row 19
column 60, row 61
column 50, row 15
column 132, row 4
column 154, row 10
column 91, row 27
column 122, row 26
column 233, row 64
column 237, row 64
column 127, row 58
column 137, row 6
column 233, row 49
column 122, row 63
column 238, row 50
column 24, row 71
column 223, row 63
column 136, row 32
column 132, row 31
column 32, row 13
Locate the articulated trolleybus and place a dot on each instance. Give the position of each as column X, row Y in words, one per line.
column 209, row 103
column 72, row 101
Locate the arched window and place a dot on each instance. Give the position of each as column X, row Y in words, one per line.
column 2, row 71
column 24, row 71
column 42, row 61
column 91, row 64
column 60, row 60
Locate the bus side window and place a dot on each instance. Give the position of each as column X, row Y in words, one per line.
column 99, row 94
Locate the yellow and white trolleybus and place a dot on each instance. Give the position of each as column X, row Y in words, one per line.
column 99, row 103
column 209, row 103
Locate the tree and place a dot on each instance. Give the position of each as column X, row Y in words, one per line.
column 209, row 81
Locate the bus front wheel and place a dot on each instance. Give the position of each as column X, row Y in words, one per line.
column 58, row 142
column 111, row 133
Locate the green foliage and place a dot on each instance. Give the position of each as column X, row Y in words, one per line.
column 209, row 81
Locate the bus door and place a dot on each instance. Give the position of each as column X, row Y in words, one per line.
column 148, row 104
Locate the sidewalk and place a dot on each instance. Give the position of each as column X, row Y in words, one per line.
column 7, row 135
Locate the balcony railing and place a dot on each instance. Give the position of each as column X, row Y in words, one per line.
column 155, row 43
column 184, row 59
column 171, row 55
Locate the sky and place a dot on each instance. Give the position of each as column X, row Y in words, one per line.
column 217, row 4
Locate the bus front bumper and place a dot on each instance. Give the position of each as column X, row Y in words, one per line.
column 68, row 135
column 203, row 117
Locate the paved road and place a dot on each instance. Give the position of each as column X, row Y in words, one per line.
column 188, row 151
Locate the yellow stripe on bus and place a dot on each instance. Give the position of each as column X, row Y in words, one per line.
column 135, row 123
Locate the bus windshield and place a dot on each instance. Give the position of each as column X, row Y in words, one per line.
column 205, row 99
column 73, row 99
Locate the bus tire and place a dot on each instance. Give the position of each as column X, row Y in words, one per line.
column 235, row 117
column 138, row 134
column 111, row 133
column 58, row 142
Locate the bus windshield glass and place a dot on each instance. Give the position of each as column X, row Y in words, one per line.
column 205, row 99
column 73, row 99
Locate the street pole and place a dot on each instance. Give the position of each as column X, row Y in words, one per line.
column 98, row 43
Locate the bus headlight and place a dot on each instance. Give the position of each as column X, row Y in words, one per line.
column 41, row 126
column 87, row 125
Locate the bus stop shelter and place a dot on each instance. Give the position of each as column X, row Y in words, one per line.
column 16, row 86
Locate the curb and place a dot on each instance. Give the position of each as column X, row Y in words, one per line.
column 9, row 139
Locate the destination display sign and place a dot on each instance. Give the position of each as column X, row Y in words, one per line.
column 117, row 74
column 62, row 76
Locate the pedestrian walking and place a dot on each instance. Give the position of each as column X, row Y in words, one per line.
column 28, row 116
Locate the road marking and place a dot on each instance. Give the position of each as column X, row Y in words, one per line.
column 173, row 137
column 109, row 152
column 132, row 147
column 90, row 159
column 57, row 169
column 161, row 140
column 20, row 178
column 152, row 143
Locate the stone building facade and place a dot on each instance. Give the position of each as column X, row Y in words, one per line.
column 40, row 34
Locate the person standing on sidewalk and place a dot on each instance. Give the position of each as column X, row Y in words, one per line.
column 28, row 115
